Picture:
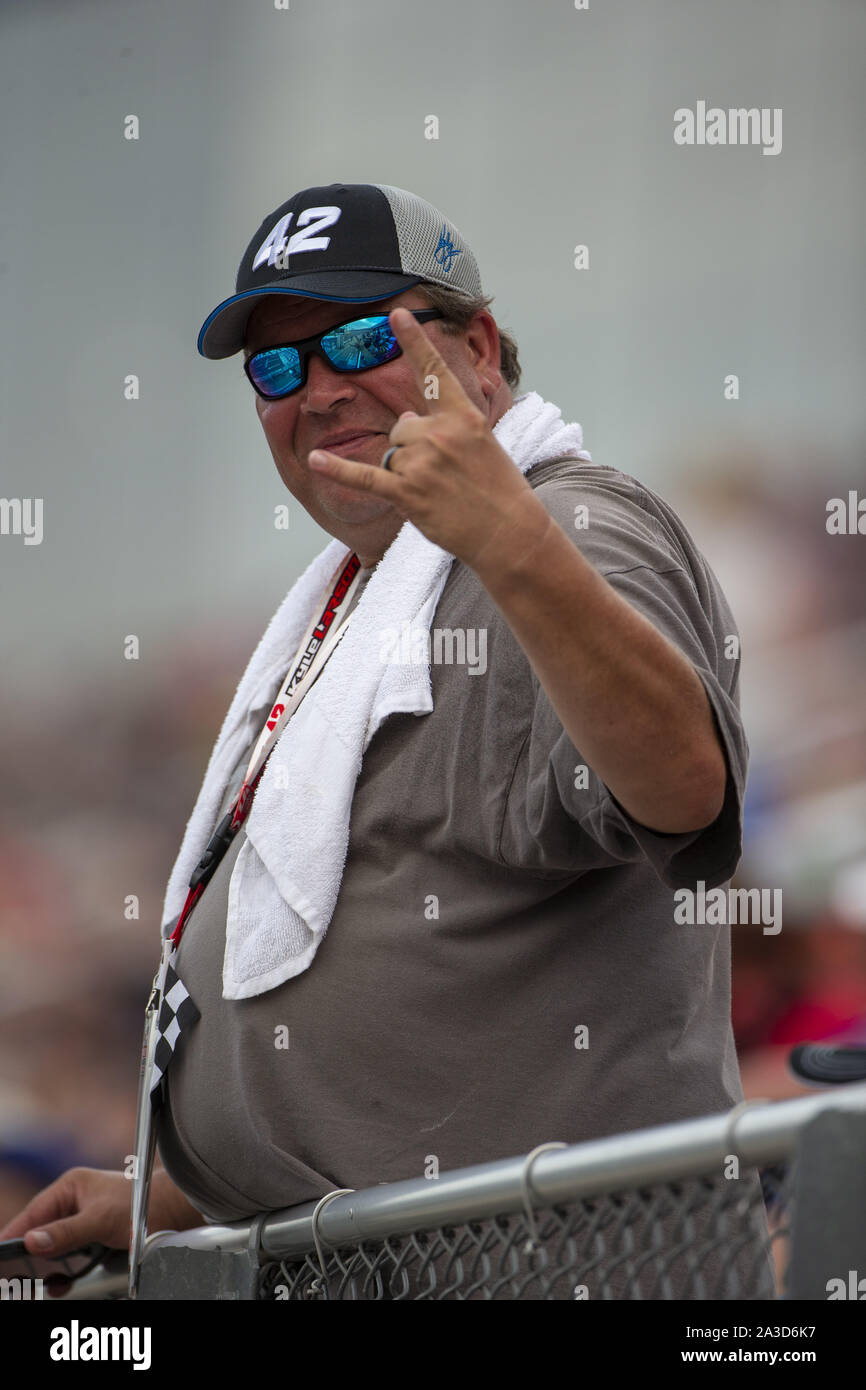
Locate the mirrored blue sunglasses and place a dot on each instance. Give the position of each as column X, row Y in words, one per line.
column 355, row 346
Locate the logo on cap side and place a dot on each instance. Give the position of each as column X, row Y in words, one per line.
column 277, row 248
column 446, row 250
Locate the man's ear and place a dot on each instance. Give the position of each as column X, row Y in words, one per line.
column 483, row 339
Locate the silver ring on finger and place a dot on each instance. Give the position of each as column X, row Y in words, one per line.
column 386, row 460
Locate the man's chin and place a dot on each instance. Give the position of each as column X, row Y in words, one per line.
column 349, row 506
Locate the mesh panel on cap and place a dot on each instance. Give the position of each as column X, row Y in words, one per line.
column 419, row 226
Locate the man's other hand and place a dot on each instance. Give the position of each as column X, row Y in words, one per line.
column 92, row 1205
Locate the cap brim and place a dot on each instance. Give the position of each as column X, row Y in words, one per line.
column 223, row 331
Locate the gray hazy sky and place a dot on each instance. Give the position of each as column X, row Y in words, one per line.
column 556, row 128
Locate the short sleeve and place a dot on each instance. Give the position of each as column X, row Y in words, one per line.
column 560, row 817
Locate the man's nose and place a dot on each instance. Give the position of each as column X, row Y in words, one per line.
column 325, row 387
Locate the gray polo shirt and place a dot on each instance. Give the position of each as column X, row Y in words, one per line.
column 503, row 966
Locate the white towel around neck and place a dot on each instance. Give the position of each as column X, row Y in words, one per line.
column 285, row 881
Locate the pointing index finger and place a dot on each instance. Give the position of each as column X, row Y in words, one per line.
column 427, row 362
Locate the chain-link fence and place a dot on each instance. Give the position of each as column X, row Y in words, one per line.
column 765, row 1202
column 699, row 1239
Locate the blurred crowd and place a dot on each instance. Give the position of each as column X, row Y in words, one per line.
column 798, row 595
column 98, row 789
column 97, row 792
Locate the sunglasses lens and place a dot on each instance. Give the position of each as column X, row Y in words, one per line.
column 276, row 371
column 363, row 343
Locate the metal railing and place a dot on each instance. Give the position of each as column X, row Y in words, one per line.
column 767, row 1201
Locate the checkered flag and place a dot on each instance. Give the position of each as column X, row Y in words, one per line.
column 176, row 1012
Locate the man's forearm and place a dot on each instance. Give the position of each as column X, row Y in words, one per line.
column 168, row 1208
column 631, row 703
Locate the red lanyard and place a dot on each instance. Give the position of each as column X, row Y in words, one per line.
column 328, row 626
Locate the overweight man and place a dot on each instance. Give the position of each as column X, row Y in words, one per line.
column 500, row 962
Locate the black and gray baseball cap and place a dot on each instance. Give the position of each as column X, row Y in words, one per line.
column 349, row 242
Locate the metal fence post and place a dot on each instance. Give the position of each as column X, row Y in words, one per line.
column 828, row 1238
column 176, row 1272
